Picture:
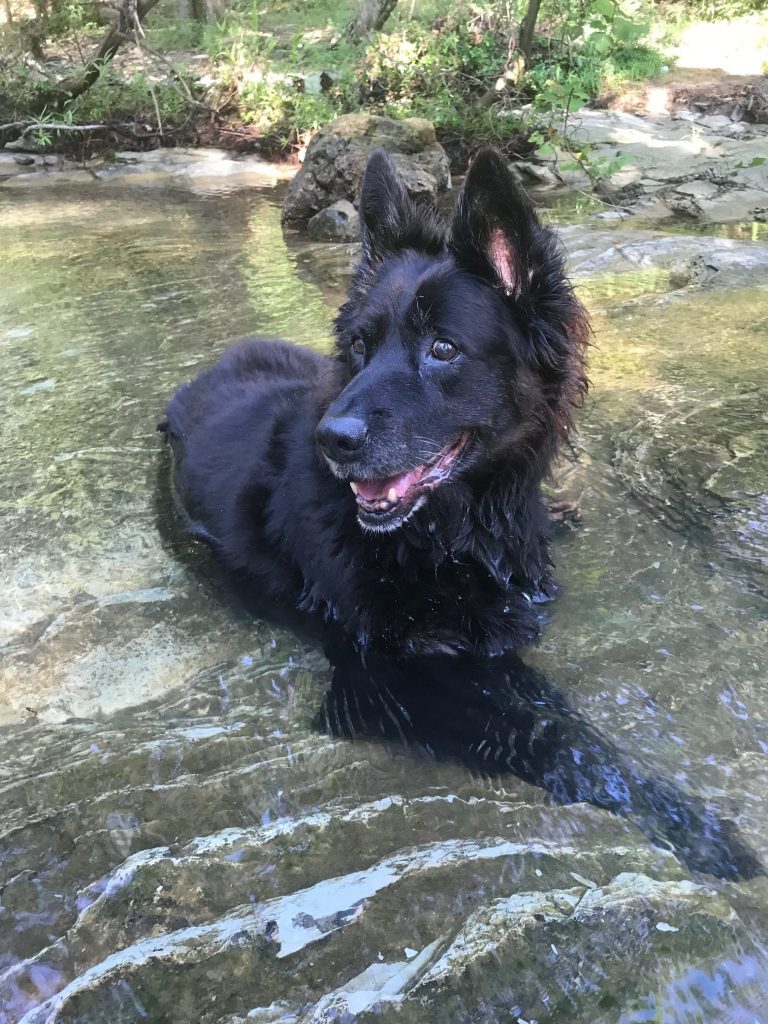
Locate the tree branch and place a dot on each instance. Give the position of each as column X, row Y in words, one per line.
column 128, row 22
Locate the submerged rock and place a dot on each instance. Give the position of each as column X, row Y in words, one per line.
column 336, row 157
column 220, row 855
column 524, row 954
column 687, row 260
column 337, row 223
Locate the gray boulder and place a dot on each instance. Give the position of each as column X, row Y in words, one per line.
column 337, row 223
column 336, row 158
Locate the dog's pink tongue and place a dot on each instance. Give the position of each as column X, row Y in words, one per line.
column 373, row 490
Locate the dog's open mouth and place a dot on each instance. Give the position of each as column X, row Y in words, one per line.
column 385, row 504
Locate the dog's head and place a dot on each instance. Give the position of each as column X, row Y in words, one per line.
column 465, row 349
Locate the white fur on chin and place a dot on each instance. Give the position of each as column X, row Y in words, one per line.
column 391, row 527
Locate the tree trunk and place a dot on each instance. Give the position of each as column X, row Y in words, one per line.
column 371, row 17
column 214, row 10
column 527, row 27
column 204, row 11
column 131, row 14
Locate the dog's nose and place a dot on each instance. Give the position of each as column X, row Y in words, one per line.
column 341, row 437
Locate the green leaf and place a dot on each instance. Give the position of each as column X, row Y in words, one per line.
column 627, row 31
column 599, row 42
column 547, row 150
column 605, row 7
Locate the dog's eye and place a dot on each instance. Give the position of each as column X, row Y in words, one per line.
column 358, row 347
column 443, row 350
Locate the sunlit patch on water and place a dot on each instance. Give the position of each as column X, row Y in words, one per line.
column 201, row 819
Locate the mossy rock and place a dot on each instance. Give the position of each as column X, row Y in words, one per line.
column 337, row 155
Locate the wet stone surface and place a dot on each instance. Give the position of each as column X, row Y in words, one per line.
column 202, row 818
column 705, row 169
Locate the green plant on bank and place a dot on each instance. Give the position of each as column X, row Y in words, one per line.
column 173, row 34
column 595, row 45
column 438, row 72
column 72, row 17
column 715, row 10
column 113, row 99
column 19, row 87
column 598, row 167
column 441, row 68
column 588, row 45
column 437, row 60
column 41, row 130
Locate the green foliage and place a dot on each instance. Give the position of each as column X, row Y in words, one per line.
column 414, row 70
column 596, row 165
column 451, row 63
column 282, row 112
column 443, row 66
column 72, row 16
column 717, row 10
column 634, row 63
column 113, row 99
column 756, row 161
column 20, row 87
column 416, row 63
column 166, row 33
column 441, row 75
column 587, row 45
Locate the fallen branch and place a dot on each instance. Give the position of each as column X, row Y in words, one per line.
column 127, row 25
column 15, row 124
column 52, row 126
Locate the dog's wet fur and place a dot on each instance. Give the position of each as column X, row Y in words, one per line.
column 394, row 487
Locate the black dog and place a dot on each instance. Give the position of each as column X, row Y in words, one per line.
column 394, row 488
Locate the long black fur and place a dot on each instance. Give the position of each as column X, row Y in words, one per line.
column 463, row 572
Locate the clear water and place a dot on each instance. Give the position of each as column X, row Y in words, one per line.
column 566, row 206
column 189, row 831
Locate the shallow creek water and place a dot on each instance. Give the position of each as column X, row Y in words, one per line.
column 202, row 820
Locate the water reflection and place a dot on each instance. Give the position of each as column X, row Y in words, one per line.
column 504, row 716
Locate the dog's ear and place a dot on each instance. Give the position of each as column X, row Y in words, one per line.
column 495, row 232
column 391, row 221
column 496, row 235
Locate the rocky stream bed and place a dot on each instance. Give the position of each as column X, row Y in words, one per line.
column 207, row 819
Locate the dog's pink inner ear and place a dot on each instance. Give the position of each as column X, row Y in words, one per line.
column 503, row 259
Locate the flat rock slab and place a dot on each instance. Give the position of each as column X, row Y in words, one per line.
column 693, row 259
column 677, row 261
column 707, row 168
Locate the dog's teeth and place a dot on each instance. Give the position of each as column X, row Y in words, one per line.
column 353, row 485
column 392, row 494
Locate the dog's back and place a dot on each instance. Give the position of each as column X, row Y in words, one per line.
column 252, row 371
column 226, row 425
